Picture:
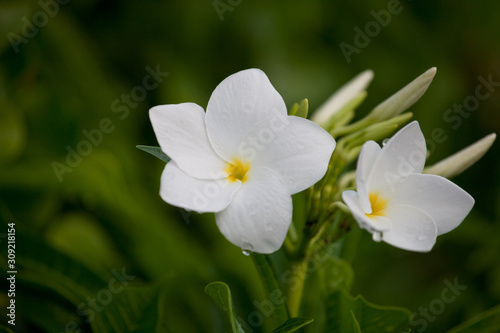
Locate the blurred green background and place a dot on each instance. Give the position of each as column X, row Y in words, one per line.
column 78, row 62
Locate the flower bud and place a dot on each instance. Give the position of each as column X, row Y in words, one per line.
column 462, row 160
column 341, row 97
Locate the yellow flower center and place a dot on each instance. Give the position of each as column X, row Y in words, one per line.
column 237, row 170
column 378, row 204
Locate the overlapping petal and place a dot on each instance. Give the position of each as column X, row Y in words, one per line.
column 180, row 131
column 258, row 217
column 367, row 157
column 246, row 133
column 402, row 155
column 237, row 105
column 181, row 190
column 441, row 199
column 296, row 148
column 379, row 223
column 412, row 229
column 418, row 207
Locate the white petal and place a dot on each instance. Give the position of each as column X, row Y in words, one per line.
column 260, row 213
column 405, row 97
column 179, row 189
column 342, row 96
column 373, row 224
column 366, row 160
column 402, row 155
column 412, row 229
column 296, row 148
column 239, row 103
column 445, row 202
column 180, row 131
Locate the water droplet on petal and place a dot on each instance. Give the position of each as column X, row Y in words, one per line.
column 247, row 248
column 422, row 237
column 385, row 142
column 377, row 236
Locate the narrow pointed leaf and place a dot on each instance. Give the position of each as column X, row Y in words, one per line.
column 293, row 324
column 269, row 279
column 488, row 321
column 155, row 151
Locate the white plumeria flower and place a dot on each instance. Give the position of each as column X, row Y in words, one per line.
column 242, row 159
column 396, row 202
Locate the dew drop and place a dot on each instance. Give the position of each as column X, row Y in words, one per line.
column 385, row 142
column 377, row 236
column 422, row 237
column 247, row 248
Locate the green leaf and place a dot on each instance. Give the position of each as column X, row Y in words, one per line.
column 134, row 309
column 273, row 291
column 486, row 322
column 355, row 325
column 345, row 313
column 293, row 324
column 300, row 109
column 155, row 151
column 4, row 329
column 293, row 109
column 220, row 293
column 337, row 274
column 48, row 269
column 303, row 108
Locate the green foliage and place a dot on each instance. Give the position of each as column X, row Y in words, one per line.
column 486, row 322
column 300, row 109
column 4, row 329
column 293, row 324
column 105, row 213
column 220, row 293
column 136, row 309
column 155, row 151
column 354, row 314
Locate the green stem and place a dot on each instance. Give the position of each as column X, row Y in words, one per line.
column 273, row 291
column 294, row 296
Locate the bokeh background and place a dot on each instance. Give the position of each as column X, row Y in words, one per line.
column 64, row 76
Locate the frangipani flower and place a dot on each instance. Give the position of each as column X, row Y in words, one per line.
column 398, row 204
column 242, row 159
